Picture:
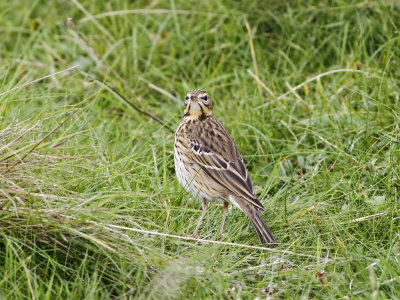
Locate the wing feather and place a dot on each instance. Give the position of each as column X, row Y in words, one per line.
column 231, row 174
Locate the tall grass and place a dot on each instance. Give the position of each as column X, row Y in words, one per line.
column 89, row 206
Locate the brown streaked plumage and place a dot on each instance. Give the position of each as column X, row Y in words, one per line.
column 208, row 164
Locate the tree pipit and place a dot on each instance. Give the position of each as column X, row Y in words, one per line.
column 208, row 164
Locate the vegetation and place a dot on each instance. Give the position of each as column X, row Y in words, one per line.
column 89, row 204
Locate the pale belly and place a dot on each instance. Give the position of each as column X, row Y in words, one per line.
column 189, row 177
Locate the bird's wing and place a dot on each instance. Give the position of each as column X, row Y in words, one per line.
column 225, row 166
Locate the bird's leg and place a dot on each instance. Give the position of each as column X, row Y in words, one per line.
column 203, row 213
column 226, row 206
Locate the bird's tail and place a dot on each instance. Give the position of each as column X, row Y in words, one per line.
column 263, row 231
column 251, row 212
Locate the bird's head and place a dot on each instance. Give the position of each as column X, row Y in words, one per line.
column 198, row 104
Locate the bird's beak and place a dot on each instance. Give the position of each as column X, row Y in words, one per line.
column 194, row 99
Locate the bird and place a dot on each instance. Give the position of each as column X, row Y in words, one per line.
column 209, row 165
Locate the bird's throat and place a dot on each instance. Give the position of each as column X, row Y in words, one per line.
column 196, row 111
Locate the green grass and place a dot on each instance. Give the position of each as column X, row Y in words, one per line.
column 86, row 180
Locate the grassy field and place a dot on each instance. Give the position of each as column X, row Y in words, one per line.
column 89, row 204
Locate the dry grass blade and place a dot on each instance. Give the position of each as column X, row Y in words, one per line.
column 253, row 55
column 206, row 240
column 316, row 78
column 258, row 80
column 144, row 12
column 37, row 80
column 38, row 143
column 91, row 18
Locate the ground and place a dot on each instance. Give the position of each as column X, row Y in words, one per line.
column 89, row 204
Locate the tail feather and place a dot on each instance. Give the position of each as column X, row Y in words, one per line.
column 251, row 212
column 263, row 231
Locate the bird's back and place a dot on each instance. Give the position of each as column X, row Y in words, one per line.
column 215, row 160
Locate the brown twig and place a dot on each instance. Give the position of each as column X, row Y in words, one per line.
column 131, row 104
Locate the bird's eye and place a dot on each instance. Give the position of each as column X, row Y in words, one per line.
column 187, row 98
column 205, row 98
